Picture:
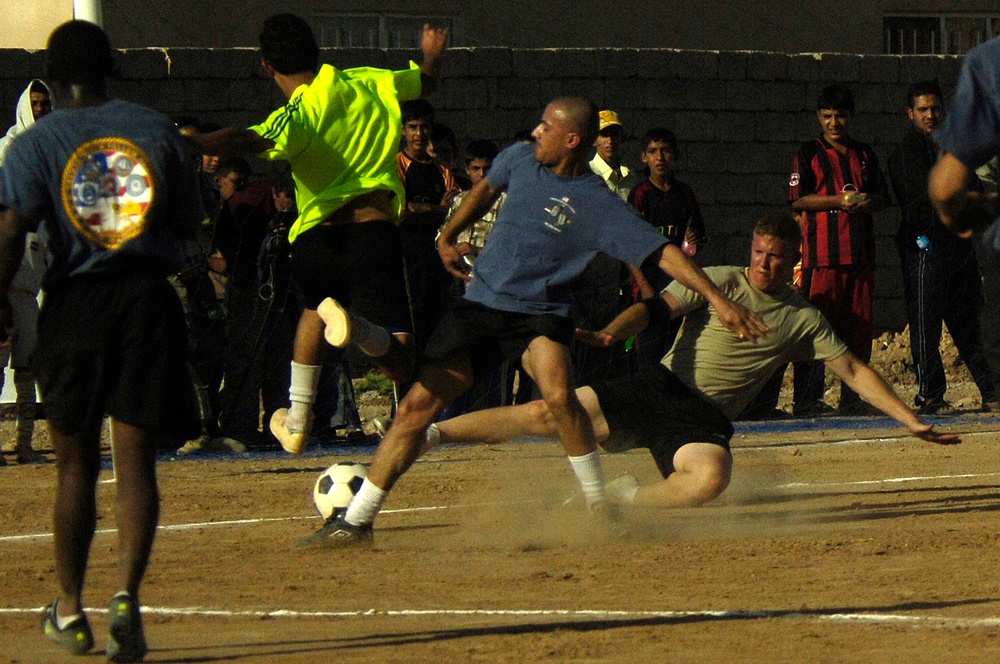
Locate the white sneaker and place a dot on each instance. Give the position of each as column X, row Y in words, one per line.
column 621, row 490
column 338, row 324
column 293, row 441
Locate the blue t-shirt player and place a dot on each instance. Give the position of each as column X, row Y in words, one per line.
column 557, row 216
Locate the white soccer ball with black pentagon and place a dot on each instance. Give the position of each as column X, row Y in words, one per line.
column 337, row 485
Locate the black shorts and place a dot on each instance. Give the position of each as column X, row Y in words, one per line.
column 116, row 346
column 360, row 266
column 491, row 336
column 655, row 410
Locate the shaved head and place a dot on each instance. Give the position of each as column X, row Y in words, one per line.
column 581, row 117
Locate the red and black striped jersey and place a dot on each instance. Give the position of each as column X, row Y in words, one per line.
column 834, row 237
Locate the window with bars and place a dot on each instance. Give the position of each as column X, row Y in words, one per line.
column 951, row 34
column 375, row 30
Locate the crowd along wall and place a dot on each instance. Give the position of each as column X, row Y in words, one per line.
column 739, row 116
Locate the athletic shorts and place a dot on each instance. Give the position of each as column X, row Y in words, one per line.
column 116, row 346
column 491, row 336
column 360, row 266
column 655, row 410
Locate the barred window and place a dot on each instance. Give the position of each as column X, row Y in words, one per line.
column 376, row 30
column 951, row 34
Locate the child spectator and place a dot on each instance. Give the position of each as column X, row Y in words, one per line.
column 429, row 187
column 671, row 207
column 836, row 184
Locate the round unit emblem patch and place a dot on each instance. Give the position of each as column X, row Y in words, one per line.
column 107, row 188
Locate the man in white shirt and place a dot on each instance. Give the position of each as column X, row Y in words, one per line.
column 606, row 162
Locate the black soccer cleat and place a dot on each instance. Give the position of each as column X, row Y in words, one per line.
column 337, row 533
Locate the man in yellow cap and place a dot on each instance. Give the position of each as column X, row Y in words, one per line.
column 606, row 162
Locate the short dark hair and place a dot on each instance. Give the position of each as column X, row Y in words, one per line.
column 659, row 134
column 921, row 88
column 187, row 121
column 780, row 224
column 416, row 109
column 287, row 43
column 38, row 87
column 237, row 165
column 481, row 149
column 79, row 52
column 835, row 97
column 284, row 184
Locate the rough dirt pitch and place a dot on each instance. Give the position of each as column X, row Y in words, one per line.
column 833, row 545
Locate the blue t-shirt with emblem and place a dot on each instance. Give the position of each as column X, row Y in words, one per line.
column 111, row 185
column 548, row 230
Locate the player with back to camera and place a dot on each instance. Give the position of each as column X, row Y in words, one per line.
column 340, row 131
column 111, row 334
column 557, row 216
column 681, row 409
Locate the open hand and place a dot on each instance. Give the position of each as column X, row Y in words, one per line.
column 928, row 433
column 747, row 325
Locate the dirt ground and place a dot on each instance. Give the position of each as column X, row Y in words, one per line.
column 840, row 540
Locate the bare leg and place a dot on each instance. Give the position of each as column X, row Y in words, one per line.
column 78, row 458
column 702, row 473
column 549, row 365
column 495, row 425
column 436, row 387
column 309, row 343
column 138, row 502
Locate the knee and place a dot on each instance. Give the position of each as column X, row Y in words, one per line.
column 558, row 402
column 709, row 481
column 541, row 417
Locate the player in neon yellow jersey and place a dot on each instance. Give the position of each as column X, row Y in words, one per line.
column 340, row 132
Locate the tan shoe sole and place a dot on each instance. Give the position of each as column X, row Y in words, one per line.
column 293, row 443
column 338, row 325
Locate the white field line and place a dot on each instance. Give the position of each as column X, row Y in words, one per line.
column 861, row 617
column 887, row 480
column 244, row 522
column 431, row 508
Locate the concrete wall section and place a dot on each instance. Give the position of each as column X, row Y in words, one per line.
column 739, row 115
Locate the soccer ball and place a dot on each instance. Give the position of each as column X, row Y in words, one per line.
column 337, row 485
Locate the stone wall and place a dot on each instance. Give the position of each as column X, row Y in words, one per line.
column 739, row 115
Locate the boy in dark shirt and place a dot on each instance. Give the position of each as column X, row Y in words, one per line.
column 670, row 206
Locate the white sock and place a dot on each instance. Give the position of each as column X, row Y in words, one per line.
column 433, row 436
column 626, row 494
column 366, row 504
column 588, row 472
column 302, row 394
column 372, row 339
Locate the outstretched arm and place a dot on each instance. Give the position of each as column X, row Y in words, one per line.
column 631, row 322
column 743, row 322
column 229, row 141
column 865, row 381
column 433, row 43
